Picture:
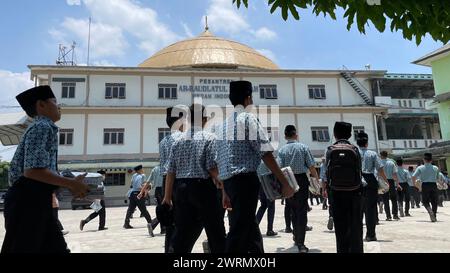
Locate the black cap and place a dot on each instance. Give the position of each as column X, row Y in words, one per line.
column 137, row 168
column 362, row 135
column 240, row 90
column 28, row 98
column 343, row 129
column 428, row 156
column 164, row 214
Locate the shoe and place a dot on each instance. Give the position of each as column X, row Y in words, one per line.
column 330, row 224
column 309, row 209
column 82, row 223
column 407, row 214
column 402, row 214
column 370, row 239
column 389, row 219
column 309, row 228
column 432, row 215
column 64, row 232
column 303, row 249
column 163, row 230
column 271, row 233
column 127, row 226
column 150, row 230
column 324, row 207
column 396, row 218
column 142, row 215
column 102, row 228
column 418, row 207
column 288, row 230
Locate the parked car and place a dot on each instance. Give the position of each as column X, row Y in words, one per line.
column 96, row 190
column 2, row 199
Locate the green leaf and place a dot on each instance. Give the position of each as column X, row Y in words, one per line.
column 294, row 11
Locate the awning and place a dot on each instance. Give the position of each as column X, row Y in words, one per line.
column 12, row 127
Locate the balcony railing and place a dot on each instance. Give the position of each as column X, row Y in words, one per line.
column 409, row 103
column 407, row 144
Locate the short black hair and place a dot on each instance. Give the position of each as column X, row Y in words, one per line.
column 362, row 139
column 342, row 130
column 410, row 168
column 428, row 156
column 197, row 109
column 399, row 162
column 290, row 131
column 384, row 154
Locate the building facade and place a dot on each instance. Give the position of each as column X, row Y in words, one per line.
column 113, row 118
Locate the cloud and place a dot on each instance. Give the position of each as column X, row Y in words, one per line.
column 187, row 30
column 11, row 84
column 268, row 53
column 106, row 40
column 224, row 16
column 73, row 2
column 265, row 34
column 113, row 23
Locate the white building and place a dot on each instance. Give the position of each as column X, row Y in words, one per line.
column 114, row 117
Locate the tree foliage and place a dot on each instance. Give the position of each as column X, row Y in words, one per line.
column 4, row 167
column 415, row 18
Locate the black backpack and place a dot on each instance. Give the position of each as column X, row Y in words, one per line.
column 344, row 166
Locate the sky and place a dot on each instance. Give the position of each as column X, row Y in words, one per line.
column 126, row 32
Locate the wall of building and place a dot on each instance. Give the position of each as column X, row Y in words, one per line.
column 80, row 90
column 96, row 124
column 97, row 90
column 75, row 122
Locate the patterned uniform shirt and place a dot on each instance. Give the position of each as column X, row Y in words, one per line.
column 370, row 161
column 164, row 150
column 389, row 168
column 38, row 149
column 241, row 142
column 156, row 177
column 193, row 154
column 297, row 156
column 427, row 173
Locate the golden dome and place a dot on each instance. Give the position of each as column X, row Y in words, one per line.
column 208, row 51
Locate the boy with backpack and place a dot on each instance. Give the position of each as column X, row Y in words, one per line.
column 343, row 171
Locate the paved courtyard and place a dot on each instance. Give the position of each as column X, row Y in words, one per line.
column 410, row 234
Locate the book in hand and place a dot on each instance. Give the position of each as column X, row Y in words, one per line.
column 272, row 187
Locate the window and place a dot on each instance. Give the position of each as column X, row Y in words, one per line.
column 273, row 133
column 357, row 130
column 115, row 90
column 113, row 136
column 162, row 133
column 65, row 136
column 115, row 179
column 320, row 134
column 317, row 92
column 268, row 92
column 167, row 91
column 68, row 90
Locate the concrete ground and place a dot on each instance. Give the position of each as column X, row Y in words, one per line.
column 411, row 234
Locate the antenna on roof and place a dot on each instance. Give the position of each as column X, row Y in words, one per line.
column 64, row 55
column 206, row 23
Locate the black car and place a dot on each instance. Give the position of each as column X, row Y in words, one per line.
column 96, row 190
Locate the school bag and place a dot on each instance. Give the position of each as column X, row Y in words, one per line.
column 344, row 166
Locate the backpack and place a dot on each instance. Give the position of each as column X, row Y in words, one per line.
column 344, row 166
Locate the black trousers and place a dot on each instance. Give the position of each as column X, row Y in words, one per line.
column 30, row 224
column 391, row 195
column 101, row 214
column 55, row 214
column 347, row 216
column 140, row 203
column 287, row 214
column 244, row 235
column 430, row 195
column 299, row 206
column 197, row 207
column 370, row 201
column 268, row 205
column 170, row 230
column 415, row 196
column 404, row 196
